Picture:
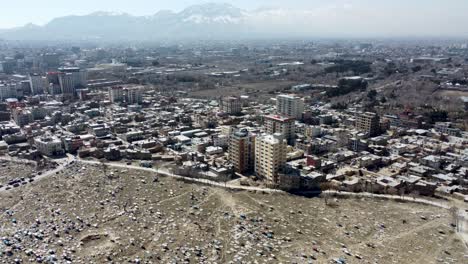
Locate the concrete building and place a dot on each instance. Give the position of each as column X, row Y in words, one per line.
column 8, row 90
column 290, row 105
column 72, row 78
column 38, row 84
column 116, row 94
column 231, row 105
column 80, row 76
column 49, row 146
column 134, row 95
column 67, row 83
column 220, row 140
column 22, row 117
column 281, row 124
column 119, row 94
column 270, row 156
column 242, row 151
column 53, row 83
column 369, row 123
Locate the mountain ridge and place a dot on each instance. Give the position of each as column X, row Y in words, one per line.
column 209, row 20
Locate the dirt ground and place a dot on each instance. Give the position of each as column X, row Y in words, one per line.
column 258, row 90
column 12, row 170
column 92, row 214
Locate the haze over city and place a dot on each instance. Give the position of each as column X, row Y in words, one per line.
column 313, row 18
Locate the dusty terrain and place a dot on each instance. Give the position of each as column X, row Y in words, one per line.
column 258, row 90
column 12, row 170
column 92, row 214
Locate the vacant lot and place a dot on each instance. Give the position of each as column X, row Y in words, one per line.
column 92, row 214
column 259, row 90
column 15, row 170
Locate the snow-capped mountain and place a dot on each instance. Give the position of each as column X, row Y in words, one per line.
column 206, row 21
column 212, row 13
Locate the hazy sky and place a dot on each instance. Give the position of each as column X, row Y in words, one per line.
column 444, row 17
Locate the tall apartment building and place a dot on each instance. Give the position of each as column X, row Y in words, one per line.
column 71, row 78
column 116, row 94
column 242, row 151
column 231, row 105
column 67, row 83
column 290, row 105
column 38, row 84
column 53, row 83
column 134, row 96
column 281, row 124
column 369, row 123
column 270, row 156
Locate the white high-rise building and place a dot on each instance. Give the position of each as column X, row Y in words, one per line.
column 270, row 156
column 290, row 105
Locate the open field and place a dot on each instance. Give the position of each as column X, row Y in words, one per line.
column 257, row 90
column 452, row 93
column 14, row 170
column 94, row 214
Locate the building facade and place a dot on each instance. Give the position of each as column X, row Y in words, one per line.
column 290, row 105
column 281, row 124
column 369, row 123
column 242, row 151
column 270, row 156
column 49, row 146
column 38, row 84
column 231, row 105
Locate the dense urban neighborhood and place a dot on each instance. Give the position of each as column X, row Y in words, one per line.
column 272, row 152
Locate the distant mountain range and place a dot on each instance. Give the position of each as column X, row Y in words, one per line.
column 207, row 21
column 327, row 18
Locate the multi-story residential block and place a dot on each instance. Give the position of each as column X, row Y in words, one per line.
column 128, row 95
column 231, row 105
column 290, row 105
column 281, row 124
column 67, row 83
column 270, row 156
column 80, row 76
column 22, row 116
column 134, row 95
column 220, row 140
column 369, row 123
column 116, row 94
column 242, row 151
column 38, row 84
column 446, row 128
